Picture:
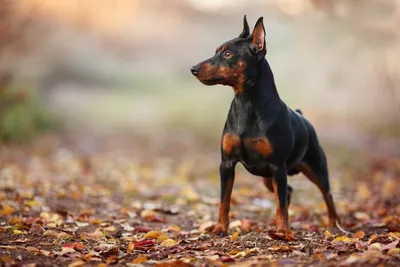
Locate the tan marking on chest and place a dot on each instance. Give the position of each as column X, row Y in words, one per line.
column 230, row 141
column 259, row 144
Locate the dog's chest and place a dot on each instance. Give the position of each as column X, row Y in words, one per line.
column 235, row 145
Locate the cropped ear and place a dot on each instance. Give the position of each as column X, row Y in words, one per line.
column 246, row 30
column 258, row 36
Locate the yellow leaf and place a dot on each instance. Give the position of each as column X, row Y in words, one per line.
column 162, row 237
column 148, row 214
column 375, row 246
column 234, row 236
column 102, row 265
column 5, row 259
column 95, row 221
column 169, row 243
column 140, row 259
column 394, row 251
column 233, row 252
column 240, row 254
column 17, row 232
column 130, row 248
column 363, row 191
column 343, row 239
column 190, row 194
column 6, row 210
column 395, row 235
column 77, row 263
column 14, row 220
column 153, row 234
column 328, row 234
column 174, row 228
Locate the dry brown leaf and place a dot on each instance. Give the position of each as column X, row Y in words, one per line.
column 96, row 235
column 390, row 245
column 359, row 234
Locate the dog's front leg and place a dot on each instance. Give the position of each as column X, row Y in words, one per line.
column 281, row 192
column 227, row 176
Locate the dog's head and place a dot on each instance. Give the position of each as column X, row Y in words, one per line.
column 235, row 61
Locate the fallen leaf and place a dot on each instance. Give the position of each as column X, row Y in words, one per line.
column 142, row 229
column 36, row 229
column 375, row 246
column 359, row 234
column 233, row 252
column 18, row 232
column 280, row 248
column 140, row 259
column 362, row 216
column 227, row 259
column 77, row 263
column 143, row 245
column 173, row 263
column 96, row 235
column 75, row 245
column 146, row 214
column 174, row 228
column 169, row 243
column 394, row 251
column 343, row 239
column 328, row 234
column 234, row 236
column 282, row 236
column 153, row 234
column 390, row 245
column 162, row 237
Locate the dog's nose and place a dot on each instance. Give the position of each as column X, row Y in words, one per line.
column 194, row 70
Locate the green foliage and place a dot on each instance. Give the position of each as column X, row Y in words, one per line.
column 22, row 114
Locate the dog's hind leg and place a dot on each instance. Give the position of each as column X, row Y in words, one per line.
column 314, row 166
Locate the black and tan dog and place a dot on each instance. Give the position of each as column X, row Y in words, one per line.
column 261, row 132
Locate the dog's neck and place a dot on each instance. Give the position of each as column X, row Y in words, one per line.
column 260, row 89
column 259, row 101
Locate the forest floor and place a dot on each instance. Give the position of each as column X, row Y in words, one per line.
column 123, row 200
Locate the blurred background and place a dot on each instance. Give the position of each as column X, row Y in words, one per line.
column 122, row 66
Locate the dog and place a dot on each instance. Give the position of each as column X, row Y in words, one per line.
column 261, row 132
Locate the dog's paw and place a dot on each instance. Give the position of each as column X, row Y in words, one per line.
column 220, row 230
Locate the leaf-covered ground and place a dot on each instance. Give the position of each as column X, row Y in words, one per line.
column 133, row 201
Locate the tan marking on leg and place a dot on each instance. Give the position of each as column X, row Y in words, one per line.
column 313, row 177
column 282, row 217
column 224, row 207
column 229, row 142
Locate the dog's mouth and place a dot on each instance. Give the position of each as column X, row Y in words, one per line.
column 211, row 81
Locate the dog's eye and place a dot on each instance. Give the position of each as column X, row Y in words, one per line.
column 227, row 54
